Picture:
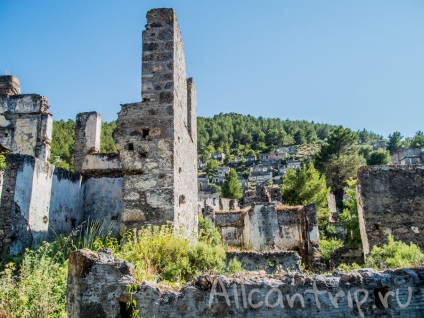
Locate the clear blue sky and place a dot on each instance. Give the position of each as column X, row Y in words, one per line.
column 355, row 63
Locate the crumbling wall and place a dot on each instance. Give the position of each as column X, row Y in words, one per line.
column 87, row 157
column 9, row 85
column 26, row 125
column 265, row 227
column 230, row 225
column 98, row 287
column 156, row 143
column 391, row 201
column 270, row 262
column 66, row 202
column 40, row 201
column 103, row 201
column 346, row 255
column 36, row 197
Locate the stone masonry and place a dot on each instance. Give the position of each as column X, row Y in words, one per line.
column 156, row 138
column 25, row 122
column 273, row 227
column 391, row 201
column 87, row 157
column 153, row 179
column 98, row 287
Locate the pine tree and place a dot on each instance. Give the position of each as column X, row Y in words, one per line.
column 306, row 186
column 395, row 142
column 231, row 188
column 339, row 159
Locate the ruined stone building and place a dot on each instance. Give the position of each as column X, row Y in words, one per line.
column 153, row 178
column 408, row 156
column 391, row 201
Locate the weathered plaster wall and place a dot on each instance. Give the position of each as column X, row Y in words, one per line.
column 103, row 200
column 98, row 287
column 41, row 201
column 66, row 202
column 391, row 201
column 265, row 227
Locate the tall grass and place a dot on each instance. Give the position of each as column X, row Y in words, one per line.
column 34, row 286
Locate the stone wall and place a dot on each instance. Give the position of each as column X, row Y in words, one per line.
column 9, row 85
column 98, row 287
column 40, row 201
column 25, row 122
column 103, row 201
column 346, row 255
column 156, row 138
column 270, row 262
column 87, row 157
column 391, row 201
column 265, row 227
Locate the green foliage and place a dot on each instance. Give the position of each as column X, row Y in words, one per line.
column 62, row 146
column 63, row 142
column 208, row 232
column 395, row 142
column 395, row 254
column 299, row 137
column 211, row 167
column 339, row 159
column 231, row 188
column 349, row 216
column 160, row 252
column 39, row 290
column 3, row 154
column 106, row 141
column 379, row 157
column 418, row 140
column 244, row 134
column 234, row 266
column 329, row 245
column 229, row 133
column 348, row 268
column 306, row 186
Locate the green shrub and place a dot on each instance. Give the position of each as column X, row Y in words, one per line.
column 234, row 266
column 38, row 287
column 208, row 232
column 327, row 246
column 159, row 252
column 348, row 268
column 395, row 254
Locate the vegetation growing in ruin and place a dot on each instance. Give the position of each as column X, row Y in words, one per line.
column 34, row 285
column 231, row 188
column 327, row 245
column 306, row 186
column 339, row 159
column 349, row 216
column 395, row 254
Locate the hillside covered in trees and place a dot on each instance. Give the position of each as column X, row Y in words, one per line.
column 228, row 133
